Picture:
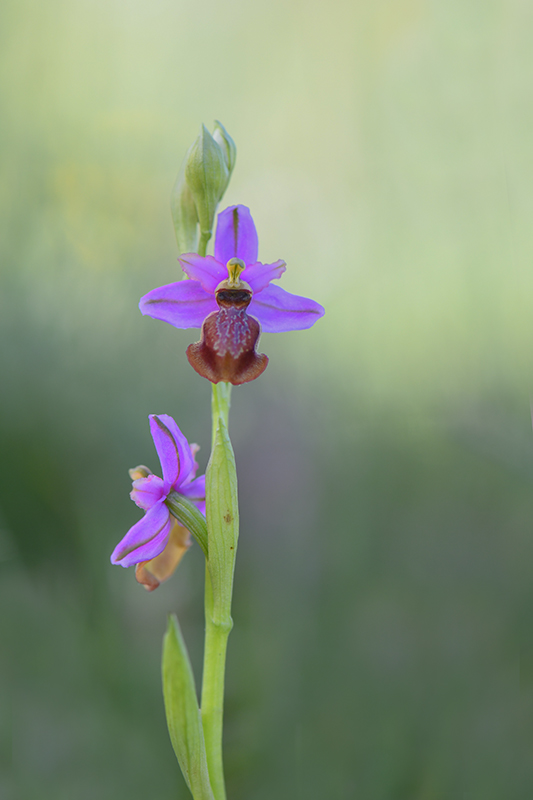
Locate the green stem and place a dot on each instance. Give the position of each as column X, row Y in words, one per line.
column 217, row 628
column 220, row 405
column 202, row 244
column 216, row 641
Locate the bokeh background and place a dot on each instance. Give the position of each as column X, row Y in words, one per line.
column 383, row 641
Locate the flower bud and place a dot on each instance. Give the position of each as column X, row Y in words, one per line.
column 226, row 143
column 207, row 176
column 184, row 214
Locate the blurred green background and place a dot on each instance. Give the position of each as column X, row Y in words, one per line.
column 383, row 646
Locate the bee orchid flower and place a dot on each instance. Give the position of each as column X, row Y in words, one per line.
column 157, row 542
column 231, row 297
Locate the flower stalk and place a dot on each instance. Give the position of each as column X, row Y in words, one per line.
column 223, row 525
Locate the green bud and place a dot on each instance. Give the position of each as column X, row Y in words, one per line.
column 184, row 214
column 203, row 178
column 226, row 143
column 207, row 176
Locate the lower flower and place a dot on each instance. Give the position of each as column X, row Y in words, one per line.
column 157, row 543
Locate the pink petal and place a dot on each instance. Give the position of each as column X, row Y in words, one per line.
column 258, row 275
column 278, row 310
column 146, row 539
column 236, row 236
column 147, row 491
column 193, row 491
column 173, row 449
column 184, row 304
column 204, row 269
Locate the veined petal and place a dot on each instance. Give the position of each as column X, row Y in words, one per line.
column 204, row 269
column 184, row 304
column 258, row 275
column 278, row 310
column 195, row 492
column 236, row 236
column 147, row 491
column 146, row 539
column 152, row 573
column 173, row 449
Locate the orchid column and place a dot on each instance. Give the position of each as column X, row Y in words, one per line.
column 231, row 297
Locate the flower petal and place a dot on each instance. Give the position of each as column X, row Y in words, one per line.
column 147, row 491
column 204, row 269
column 258, row 275
column 146, row 539
column 236, row 236
column 152, row 573
column 278, row 310
column 173, row 449
column 195, row 492
column 184, row 304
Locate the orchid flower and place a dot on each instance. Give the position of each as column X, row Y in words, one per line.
column 157, row 542
column 228, row 295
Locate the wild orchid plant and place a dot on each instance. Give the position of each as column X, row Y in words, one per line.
column 231, row 297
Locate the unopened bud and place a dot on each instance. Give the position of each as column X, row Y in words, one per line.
column 184, row 214
column 207, row 176
column 226, row 143
column 203, row 178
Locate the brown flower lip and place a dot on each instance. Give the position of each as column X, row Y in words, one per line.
column 227, row 348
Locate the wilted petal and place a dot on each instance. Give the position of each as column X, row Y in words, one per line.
column 146, row 539
column 236, row 236
column 204, row 269
column 152, row 573
column 278, row 310
column 184, row 304
column 173, row 449
column 258, row 275
column 147, row 491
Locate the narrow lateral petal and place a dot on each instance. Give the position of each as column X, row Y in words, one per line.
column 173, row 449
column 147, row 491
column 195, row 492
column 184, row 304
column 146, row 539
column 236, row 236
column 258, row 275
column 204, row 269
column 278, row 310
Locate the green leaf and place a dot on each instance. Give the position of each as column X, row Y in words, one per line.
column 222, row 513
column 188, row 515
column 183, row 715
